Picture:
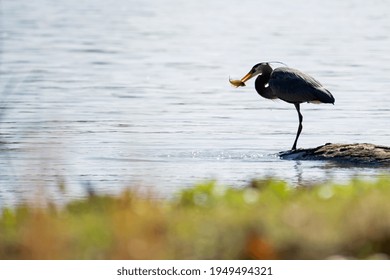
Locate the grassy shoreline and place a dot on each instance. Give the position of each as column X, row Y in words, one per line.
column 266, row 220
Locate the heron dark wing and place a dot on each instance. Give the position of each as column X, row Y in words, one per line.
column 293, row 86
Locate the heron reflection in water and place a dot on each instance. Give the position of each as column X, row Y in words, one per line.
column 287, row 84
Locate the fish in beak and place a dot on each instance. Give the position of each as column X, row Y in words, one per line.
column 241, row 83
column 237, row 83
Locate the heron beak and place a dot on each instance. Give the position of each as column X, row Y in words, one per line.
column 247, row 77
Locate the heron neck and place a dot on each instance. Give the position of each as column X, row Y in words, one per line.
column 261, row 85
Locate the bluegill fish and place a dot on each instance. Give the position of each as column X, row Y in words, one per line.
column 237, row 83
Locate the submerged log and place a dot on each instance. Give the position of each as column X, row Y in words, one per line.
column 355, row 154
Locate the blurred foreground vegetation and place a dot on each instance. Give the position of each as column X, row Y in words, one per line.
column 266, row 220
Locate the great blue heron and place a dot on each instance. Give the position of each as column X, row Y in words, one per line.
column 287, row 84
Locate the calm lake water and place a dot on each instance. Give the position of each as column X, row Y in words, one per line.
column 109, row 94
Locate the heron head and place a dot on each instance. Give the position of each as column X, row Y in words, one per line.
column 258, row 69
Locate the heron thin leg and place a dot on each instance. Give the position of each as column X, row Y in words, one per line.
column 294, row 147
